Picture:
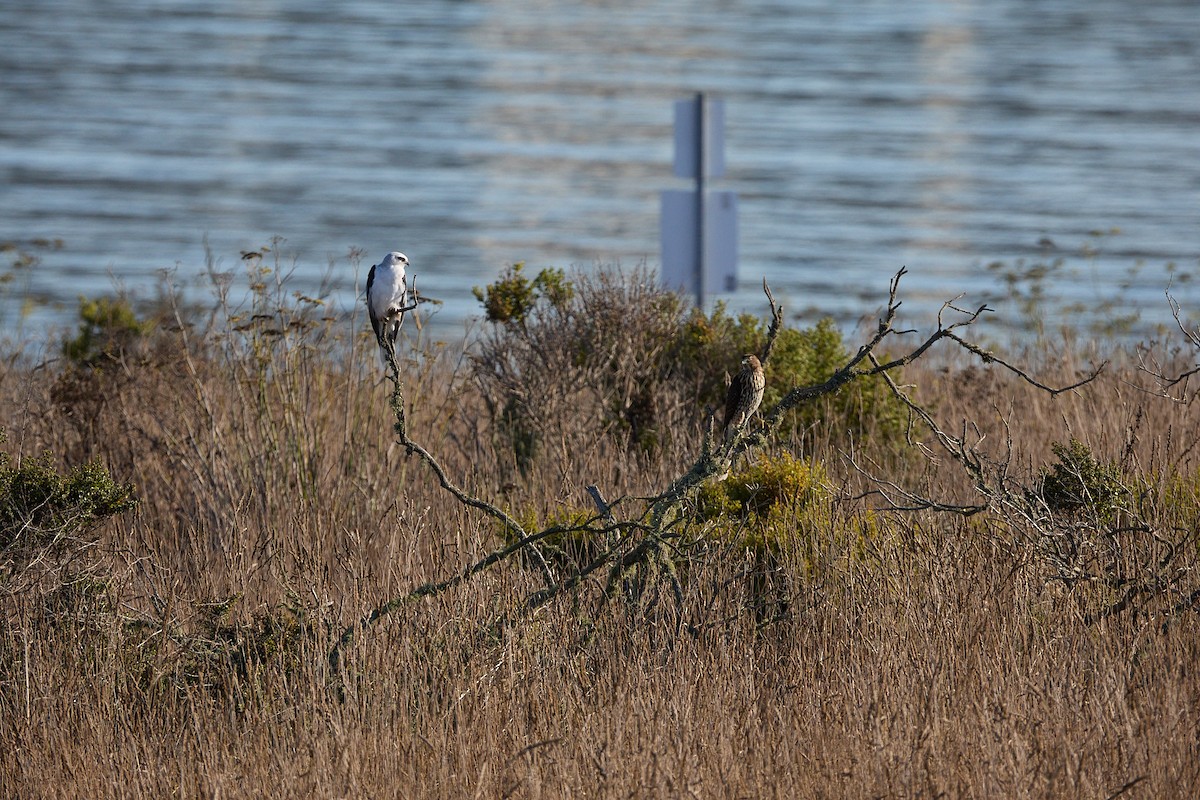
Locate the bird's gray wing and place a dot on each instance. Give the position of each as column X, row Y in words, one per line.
column 376, row 323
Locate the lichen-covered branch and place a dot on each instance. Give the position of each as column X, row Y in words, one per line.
column 640, row 545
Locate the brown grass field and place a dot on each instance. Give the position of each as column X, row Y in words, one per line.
column 824, row 644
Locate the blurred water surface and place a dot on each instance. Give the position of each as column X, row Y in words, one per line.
column 861, row 136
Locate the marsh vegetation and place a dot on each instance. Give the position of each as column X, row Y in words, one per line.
column 227, row 571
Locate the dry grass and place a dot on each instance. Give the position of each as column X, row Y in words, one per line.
column 186, row 654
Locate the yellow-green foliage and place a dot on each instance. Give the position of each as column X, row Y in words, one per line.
column 1179, row 503
column 107, row 326
column 575, row 544
column 512, row 297
column 771, row 504
column 1080, row 483
column 704, row 334
column 647, row 364
column 781, row 508
column 41, row 507
column 801, row 357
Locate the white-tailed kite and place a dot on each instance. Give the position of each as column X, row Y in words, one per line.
column 387, row 300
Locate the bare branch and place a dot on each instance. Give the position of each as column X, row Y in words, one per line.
column 1193, row 336
column 775, row 326
column 637, row 553
column 890, row 490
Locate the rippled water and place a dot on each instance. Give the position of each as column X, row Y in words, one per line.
column 861, row 136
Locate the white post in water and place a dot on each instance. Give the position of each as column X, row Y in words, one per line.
column 699, row 229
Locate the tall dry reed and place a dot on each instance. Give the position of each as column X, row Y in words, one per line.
column 917, row 653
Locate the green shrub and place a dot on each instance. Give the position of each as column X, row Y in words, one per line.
column 616, row 353
column 108, row 327
column 769, row 504
column 41, row 508
column 801, row 357
column 1079, row 483
column 513, row 297
column 1177, row 500
column 781, row 514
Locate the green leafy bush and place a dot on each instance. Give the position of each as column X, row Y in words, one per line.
column 108, row 327
column 801, row 357
column 782, row 515
column 618, row 354
column 573, row 545
column 771, row 503
column 42, row 509
column 1079, row 483
column 513, row 297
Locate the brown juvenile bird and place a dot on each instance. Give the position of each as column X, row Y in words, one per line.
column 745, row 393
